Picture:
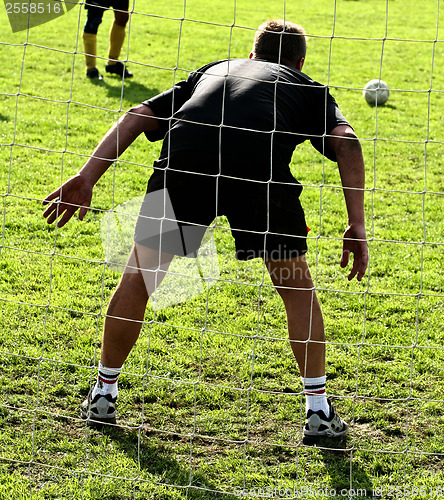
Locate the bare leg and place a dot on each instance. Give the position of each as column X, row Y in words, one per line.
column 293, row 281
column 144, row 272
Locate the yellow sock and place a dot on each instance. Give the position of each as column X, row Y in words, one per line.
column 90, row 47
column 116, row 38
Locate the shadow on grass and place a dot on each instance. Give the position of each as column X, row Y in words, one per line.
column 169, row 460
column 343, row 470
column 155, row 452
column 132, row 92
column 385, row 106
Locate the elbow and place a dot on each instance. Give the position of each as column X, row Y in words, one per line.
column 344, row 131
column 142, row 118
column 343, row 140
column 141, row 110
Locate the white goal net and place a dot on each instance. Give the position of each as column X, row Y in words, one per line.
column 210, row 400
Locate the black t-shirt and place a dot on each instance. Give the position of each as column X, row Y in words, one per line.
column 250, row 110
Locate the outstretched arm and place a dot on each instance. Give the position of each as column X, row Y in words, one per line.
column 76, row 192
column 345, row 144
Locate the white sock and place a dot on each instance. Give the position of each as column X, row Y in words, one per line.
column 107, row 381
column 315, row 395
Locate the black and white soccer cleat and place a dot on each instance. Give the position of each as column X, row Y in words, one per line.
column 318, row 424
column 99, row 410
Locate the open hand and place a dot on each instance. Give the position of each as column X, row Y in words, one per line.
column 73, row 194
column 355, row 242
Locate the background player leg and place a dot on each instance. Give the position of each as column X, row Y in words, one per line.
column 116, row 39
column 93, row 20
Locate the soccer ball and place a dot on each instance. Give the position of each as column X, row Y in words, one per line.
column 376, row 92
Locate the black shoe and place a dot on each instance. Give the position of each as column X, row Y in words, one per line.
column 93, row 74
column 118, row 69
column 99, row 410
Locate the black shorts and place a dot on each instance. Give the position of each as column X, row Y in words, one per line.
column 266, row 218
column 100, row 5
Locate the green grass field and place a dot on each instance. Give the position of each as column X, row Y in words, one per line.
column 210, row 401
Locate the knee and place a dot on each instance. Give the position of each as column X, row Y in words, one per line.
column 289, row 278
column 92, row 25
column 121, row 18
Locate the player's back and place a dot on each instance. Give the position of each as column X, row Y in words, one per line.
column 238, row 107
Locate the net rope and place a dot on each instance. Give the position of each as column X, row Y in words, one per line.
column 248, row 390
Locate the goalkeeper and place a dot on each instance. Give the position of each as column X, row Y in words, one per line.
column 229, row 132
